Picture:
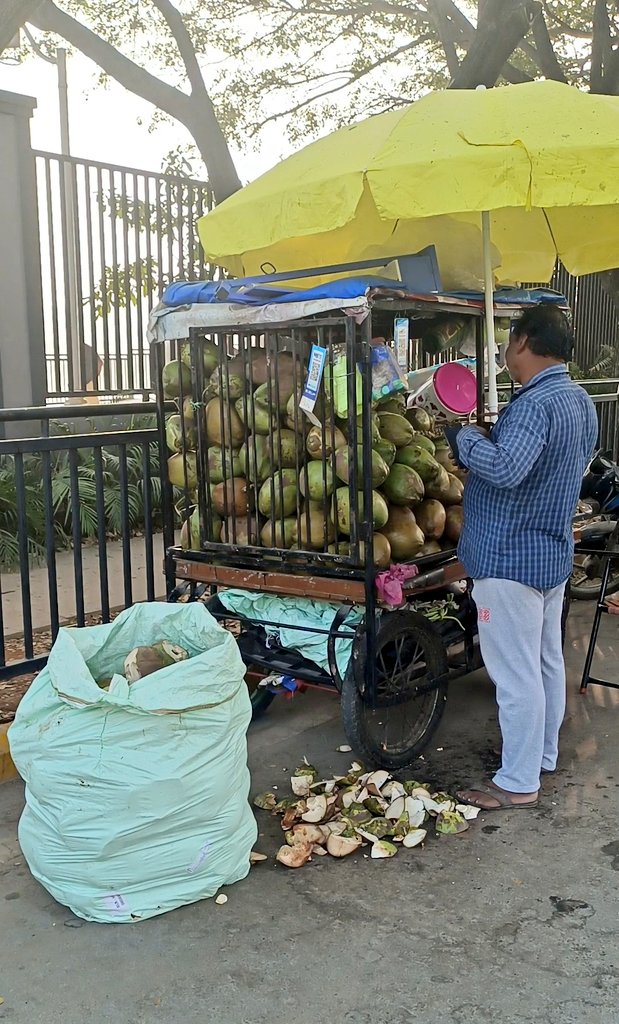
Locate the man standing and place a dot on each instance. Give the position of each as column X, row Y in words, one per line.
column 516, row 545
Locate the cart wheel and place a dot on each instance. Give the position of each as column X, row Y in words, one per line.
column 259, row 695
column 411, row 689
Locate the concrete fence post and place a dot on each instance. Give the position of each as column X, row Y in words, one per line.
column 22, row 343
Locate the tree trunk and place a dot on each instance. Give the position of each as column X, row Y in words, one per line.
column 502, row 25
column 195, row 111
column 14, row 14
column 211, row 142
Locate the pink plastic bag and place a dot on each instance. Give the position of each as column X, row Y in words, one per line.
column 389, row 584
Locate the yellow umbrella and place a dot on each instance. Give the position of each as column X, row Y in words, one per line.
column 540, row 160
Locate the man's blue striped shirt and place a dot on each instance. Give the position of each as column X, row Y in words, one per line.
column 524, row 482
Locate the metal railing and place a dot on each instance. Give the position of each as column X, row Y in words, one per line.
column 60, row 482
column 596, row 323
column 112, row 238
column 82, row 510
column 59, row 375
column 605, row 395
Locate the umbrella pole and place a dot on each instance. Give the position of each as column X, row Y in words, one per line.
column 493, row 401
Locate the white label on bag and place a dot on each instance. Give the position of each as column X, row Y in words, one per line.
column 199, row 861
column 116, row 903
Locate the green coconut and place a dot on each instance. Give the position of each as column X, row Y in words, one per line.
column 219, row 459
column 420, row 419
column 284, row 449
column 223, row 425
column 380, row 511
column 403, row 486
column 207, row 349
column 395, row 428
column 175, row 378
column 227, row 384
column 256, row 461
column 183, row 470
column 343, row 462
column 278, row 534
column 279, row 494
column 320, row 442
column 257, row 418
column 180, row 435
column 316, row 481
column 387, row 451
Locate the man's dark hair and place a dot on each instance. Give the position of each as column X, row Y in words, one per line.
column 548, row 331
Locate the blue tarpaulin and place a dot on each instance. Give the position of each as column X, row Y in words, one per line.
column 515, row 296
column 250, row 292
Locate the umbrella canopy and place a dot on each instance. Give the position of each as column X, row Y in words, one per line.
column 542, row 158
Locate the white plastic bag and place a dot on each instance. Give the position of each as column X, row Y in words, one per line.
column 136, row 798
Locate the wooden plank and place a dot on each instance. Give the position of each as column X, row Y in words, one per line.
column 320, row 587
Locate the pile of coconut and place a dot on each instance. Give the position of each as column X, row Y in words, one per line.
column 145, row 661
column 340, row 815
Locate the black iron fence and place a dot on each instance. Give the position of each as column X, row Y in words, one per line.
column 81, row 531
column 112, row 238
column 79, row 524
column 605, row 395
column 596, row 324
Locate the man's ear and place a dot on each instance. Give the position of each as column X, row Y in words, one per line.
column 521, row 343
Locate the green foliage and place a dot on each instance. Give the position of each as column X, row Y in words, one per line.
column 312, row 65
column 34, row 507
column 165, row 218
column 34, row 469
column 122, row 286
column 605, row 365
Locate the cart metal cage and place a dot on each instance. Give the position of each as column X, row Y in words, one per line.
column 272, row 464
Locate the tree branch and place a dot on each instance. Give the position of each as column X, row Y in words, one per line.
column 196, row 112
column 14, row 14
column 130, row 75
column 600, row 47
column 445, row 35
column 350, row 80
column 545, row 55
column 562, row 25
column 504, row 26
column 184, row 43
column 467, row 33
column 514, row 75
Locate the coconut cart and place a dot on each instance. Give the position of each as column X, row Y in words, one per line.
column 297, row 477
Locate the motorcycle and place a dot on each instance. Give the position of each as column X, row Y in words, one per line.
column 600, row 495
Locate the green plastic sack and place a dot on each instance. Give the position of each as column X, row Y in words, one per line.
column 136, row 798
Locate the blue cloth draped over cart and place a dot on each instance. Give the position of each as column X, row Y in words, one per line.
column 515, row 296
column 249, row 291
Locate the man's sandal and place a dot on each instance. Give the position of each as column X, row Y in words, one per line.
column 487, row 788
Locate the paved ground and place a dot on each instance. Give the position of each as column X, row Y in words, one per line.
column 11, row 583
column 514, row 922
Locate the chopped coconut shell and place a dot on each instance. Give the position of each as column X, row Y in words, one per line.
column 341, row 846
column 383, row 848
column 294, row 856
